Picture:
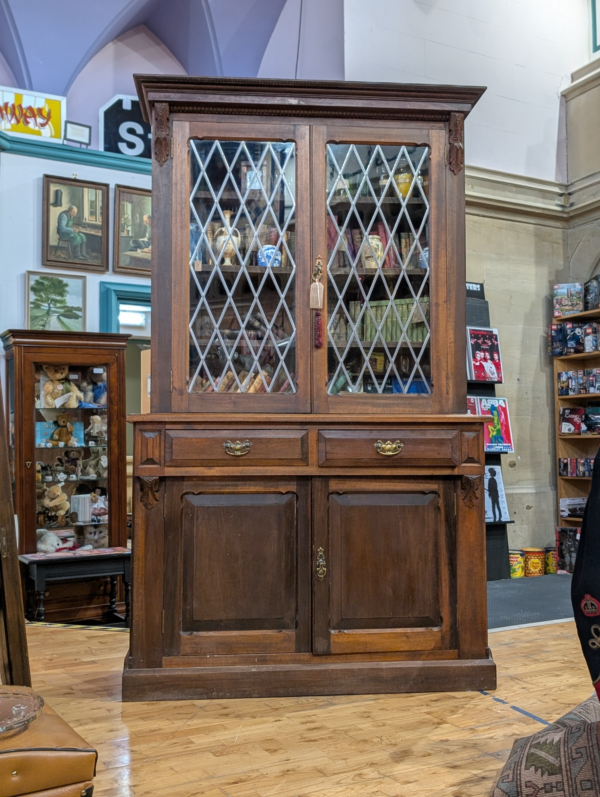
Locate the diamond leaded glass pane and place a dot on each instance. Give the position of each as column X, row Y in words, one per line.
column 242, row 267
column 378, row 269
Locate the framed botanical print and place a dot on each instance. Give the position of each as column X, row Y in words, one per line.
column 55, row 301
column 133, row 231
column 75, row 224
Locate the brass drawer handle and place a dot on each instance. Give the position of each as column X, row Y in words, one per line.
column 237, row 449
column 389, row 449
column 321, row 564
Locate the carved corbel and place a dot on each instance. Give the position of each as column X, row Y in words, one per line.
column 456, row 156
column 150, row 486
column 469, row 486
column 161, row 133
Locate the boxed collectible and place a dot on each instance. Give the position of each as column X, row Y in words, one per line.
column 572, row 420
column 575, row 334
column 557, row 340
column 567, row 542
column 572, row 507
column 568, row 299
column 592, row 293
column 592, row 420
column 590, row 338
column 563, row 383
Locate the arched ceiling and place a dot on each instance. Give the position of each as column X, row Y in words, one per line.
column 46, row 44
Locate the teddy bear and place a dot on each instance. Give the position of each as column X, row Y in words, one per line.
column 59, row 385
column 97, row 427
column 48, row 542
column 97, row 376
column 38, row 471
column 86, row 388
column 57, row 503
column 70, row 460
column 64, row 431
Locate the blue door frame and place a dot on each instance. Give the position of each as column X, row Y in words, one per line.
column 111, row 296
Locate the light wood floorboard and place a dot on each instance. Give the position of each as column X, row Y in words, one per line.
column 429, row 745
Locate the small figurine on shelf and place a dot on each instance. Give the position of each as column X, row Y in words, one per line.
column 100, row 505
column 59, row 391
column 97, row 376
column 56, row 503
column 63, row 434
column 95, row 536
column 71, row 461
column 38, row 471
column 97, row 428
column 86, row 388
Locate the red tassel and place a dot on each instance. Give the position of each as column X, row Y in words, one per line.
column 318, row 330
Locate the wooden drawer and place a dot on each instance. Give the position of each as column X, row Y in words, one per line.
column 194, row 448
column 416, row 447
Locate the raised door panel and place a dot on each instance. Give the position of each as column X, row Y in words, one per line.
column 244, row 570
column 379, row 545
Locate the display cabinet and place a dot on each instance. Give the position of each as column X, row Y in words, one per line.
column 308, row 490
column 66, row 424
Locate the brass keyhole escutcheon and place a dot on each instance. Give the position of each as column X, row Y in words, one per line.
column 238, row 448
column 388, row 449
column 321, row 564
column 28, row 464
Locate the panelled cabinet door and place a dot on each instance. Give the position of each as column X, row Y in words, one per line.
column 379, row 225
column 241, row 239
column 381, row 566
column 242, row 589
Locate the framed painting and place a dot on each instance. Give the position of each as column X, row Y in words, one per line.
column 75, row 224
column 55, row 301
column 133, row 231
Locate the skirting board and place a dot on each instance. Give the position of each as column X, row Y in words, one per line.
column 295, row 680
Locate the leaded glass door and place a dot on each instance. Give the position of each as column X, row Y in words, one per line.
column 373, row 221
column 246, row 253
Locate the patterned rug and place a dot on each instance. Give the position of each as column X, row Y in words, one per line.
column 563, row 760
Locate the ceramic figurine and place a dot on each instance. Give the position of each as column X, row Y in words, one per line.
column 224, row 243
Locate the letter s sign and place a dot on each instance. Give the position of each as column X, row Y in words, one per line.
column 122, row 128
column 137, row 143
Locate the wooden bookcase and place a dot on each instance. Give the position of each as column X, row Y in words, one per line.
column 571, row 445
column 308, row 489
column 34, row 467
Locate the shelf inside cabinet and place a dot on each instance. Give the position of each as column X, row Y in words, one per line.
column 577, row 478
column 376, row 272
column 235, row 269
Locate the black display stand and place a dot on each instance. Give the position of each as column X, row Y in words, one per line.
column 498, row 565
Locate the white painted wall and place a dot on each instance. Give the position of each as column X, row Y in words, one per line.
column 21, row 180
column 111, row 71
column 523, row 50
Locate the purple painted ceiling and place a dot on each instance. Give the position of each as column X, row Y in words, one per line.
column 47, row 44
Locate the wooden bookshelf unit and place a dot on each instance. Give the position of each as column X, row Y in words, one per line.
column 573, row 445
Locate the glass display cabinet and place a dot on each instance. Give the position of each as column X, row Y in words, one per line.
column 66, row 422
column 308, row 504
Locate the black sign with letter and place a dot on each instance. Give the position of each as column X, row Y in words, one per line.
column 122, row 128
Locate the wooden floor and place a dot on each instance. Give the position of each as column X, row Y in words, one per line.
column 449, row 745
